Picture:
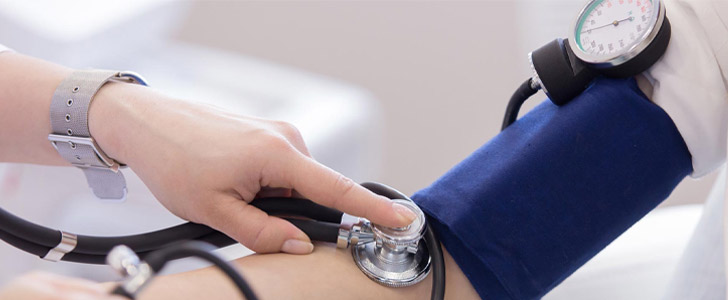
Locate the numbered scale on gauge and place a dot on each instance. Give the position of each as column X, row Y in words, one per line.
column 613, row 25
column 609, row 33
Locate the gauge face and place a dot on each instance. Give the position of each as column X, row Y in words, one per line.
column 609, row 28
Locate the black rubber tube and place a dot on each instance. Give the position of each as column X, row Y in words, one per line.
column 298, row 207
column 433, row 243
column 94, row 259
column 189, row 231
column 37, row 234
column 216, row 238
column 158, row 259
column 141, row 242
column 514, row 105
column 97, row 245
column 46, row 237
column 23, row 244
column 318, row 231
column 438, row 263
column 41, row 239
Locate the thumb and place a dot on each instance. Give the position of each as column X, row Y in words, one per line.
column 327, row 187
column 255, row 229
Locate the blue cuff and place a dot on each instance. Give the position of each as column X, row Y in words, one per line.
column 535, row 203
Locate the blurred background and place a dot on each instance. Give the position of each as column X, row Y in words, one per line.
column 389, row 91
column 441, row 72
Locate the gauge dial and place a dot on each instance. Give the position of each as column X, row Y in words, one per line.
column 609, row 28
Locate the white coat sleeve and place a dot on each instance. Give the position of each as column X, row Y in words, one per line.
column 690, row 80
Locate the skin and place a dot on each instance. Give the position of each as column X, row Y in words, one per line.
column 46, row 286
column 221, row 161
column 327, row 273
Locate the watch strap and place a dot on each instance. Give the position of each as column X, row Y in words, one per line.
column 71, row 136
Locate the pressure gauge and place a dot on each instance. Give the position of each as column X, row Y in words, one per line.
column 612, row 38
column 620, row 38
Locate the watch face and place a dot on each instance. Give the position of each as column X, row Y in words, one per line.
column 608, row 29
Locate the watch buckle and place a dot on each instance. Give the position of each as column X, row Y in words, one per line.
column 109, row 163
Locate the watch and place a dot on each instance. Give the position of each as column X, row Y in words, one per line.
column 70, row 134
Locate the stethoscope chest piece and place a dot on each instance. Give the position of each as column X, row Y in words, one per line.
column 395, row 257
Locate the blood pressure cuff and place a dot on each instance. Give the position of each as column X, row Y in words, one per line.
column 535, row 203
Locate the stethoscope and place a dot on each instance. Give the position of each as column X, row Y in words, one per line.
column 393, row 257
column 613, row 38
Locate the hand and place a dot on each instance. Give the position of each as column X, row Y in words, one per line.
column 40, row 286
column 206, row 165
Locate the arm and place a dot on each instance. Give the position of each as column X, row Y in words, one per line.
column 40, row 286
column 26, row 87
column 327, row 273
column 203, row 164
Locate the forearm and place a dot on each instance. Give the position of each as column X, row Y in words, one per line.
column 327, row 273
column 26, row 89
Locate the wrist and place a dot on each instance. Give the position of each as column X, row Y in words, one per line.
column 114, row 117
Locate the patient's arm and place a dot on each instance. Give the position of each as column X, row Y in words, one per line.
column 327, row 273
column 520, row 214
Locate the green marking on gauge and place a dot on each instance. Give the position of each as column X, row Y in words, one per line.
column 583, row 20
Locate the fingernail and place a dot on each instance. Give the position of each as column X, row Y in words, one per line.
column 297, row 247
column 406, row 215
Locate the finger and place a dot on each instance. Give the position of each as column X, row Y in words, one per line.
column 300, row 146
column 293, row 136
column 327, row 187
column 255, row 229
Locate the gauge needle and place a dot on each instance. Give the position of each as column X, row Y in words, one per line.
column 615, row 23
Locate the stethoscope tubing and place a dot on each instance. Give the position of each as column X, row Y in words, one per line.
column 39, row 240
column 322, row 224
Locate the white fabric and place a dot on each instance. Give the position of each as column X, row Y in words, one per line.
column 691, row 85
column 690, row 80
column 640, row 263
column 700, row 274
column 3, row 48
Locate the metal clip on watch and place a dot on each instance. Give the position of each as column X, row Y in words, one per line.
column 71, row 135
